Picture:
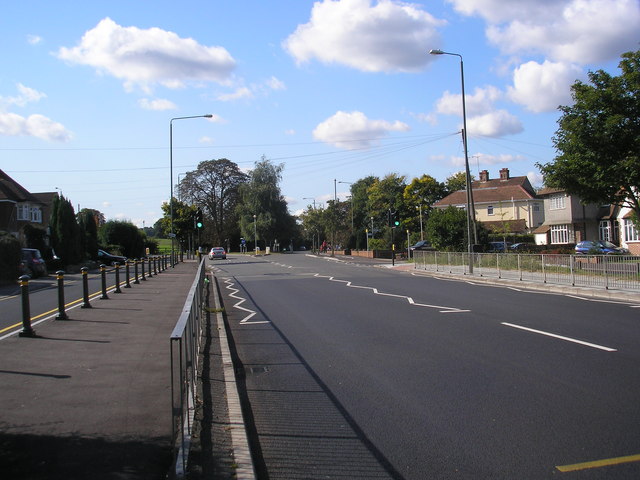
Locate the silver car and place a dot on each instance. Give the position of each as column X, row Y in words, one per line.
column 217, row 252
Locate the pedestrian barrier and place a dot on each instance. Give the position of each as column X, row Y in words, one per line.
column 619, row 272
column 184, row 347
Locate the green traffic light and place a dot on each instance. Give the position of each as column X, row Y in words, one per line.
column 199, row 224
column 397, row 223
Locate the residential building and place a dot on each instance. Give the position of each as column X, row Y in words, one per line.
column 19, row 207
column 506, row 204
column 629, row 233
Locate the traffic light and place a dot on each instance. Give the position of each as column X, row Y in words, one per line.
column 199, row 220
column 393, row 219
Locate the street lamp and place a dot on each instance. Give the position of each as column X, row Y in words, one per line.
column 419, row 207
column 255, row 236
column 173, row 235
column 471, row 223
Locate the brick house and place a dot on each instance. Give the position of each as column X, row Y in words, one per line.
column 569, row 221
column 506, row 204
column 19, row 207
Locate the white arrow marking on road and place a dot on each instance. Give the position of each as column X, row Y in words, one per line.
column 408, row 299
column 245, row 320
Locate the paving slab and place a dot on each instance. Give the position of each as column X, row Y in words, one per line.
column 90, row 397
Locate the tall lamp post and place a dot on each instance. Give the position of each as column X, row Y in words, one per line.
column 173, row 235
column 255, row 236
column 471, row 221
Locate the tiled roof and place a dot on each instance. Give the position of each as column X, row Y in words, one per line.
column 492, row 191
column 12, row 190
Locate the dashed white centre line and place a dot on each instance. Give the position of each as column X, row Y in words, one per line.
column 568, row 339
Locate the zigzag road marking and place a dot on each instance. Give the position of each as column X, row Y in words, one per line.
column 245, row 320
column 408, row 299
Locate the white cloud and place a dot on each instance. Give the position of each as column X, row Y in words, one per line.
column 494, row 124
column 354, row 130
column 34, row 39
column 574, row 31
column 543, row 87
column 536, row 178
column 486, row 159
column 389, row 36
column 275, row 84
column 215, row 118
column 480, row 102
column 35, row 125
column 240, row 93
column 146, row 57
column 290, row 131
column 26, row 95
column 159, row 104
column 206, row 140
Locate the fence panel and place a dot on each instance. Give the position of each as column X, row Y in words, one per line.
column 619, row 272
column 184, row 347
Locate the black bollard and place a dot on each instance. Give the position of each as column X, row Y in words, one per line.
column 62, row 314
column 136, row 281
column 155, row 266
column 85, row 288
column 117, row 290
column 150, row 269
column 26, row 331
column 142, row 265
column 103, row 274
column 127, row 282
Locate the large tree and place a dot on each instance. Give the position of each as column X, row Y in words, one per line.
column 214, row 187
column 261, row 197
column 598, row 139
column 65, row 232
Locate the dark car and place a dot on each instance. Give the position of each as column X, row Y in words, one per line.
column 217, row 252
column 32, row 263
column 422, row 245
column 108, row 259
column 599, row 247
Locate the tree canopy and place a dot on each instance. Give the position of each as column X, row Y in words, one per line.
column 598, row 139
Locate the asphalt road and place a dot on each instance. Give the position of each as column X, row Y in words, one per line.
column 43, row 296
column 354, row 371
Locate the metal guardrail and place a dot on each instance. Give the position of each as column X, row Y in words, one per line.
column 185, row 346
column 619, row 272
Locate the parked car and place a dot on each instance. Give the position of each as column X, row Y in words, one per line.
column 498, row 247
column 422, row 245
column 108, row 259
column 599, row 247
column 217, row 252
column 32, row 263
column 524, row 247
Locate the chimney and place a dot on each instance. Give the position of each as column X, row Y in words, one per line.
column 484, row 176
column 504, row 174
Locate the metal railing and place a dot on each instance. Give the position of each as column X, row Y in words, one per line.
column 619, row 272
column 185, row 346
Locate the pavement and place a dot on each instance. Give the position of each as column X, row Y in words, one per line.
column 90, row 397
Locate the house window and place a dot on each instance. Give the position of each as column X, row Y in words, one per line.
column 23, row 212
column 605, row 230
column 536, row 207
column 559, row 233
column 630, row 231
column 36, row 215
column 490, row 210
column 556, row 202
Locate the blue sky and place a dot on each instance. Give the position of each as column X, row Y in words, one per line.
column 336, row 89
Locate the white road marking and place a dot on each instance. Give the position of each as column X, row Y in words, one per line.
column 251, row 313
column 408, row 299
column 568, row 339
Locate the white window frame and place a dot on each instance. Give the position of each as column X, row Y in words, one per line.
column 604, row 230
column 631, row 233
column 490, row 210
column 23, row 212
column 36, row 214
column 559, row 234
column 557, row 201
